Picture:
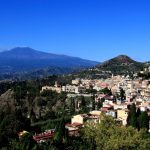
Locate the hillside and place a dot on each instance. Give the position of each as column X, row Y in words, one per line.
column 119, row 60
column 121, row 64
column 26, row 63
column 25, row 59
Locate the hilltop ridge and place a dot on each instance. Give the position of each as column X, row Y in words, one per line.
column 119, row 60
column 119, row 65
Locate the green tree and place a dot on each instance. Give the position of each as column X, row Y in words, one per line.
column 138, row 113
column 93, row 102
column 26, row 142
column 60, row 134
column 106, row 91
column 11, row 123
column 122, row 94
column 100, row 103
column 132, row 119
column 83, row 104
column 109, row 135
column 143, row 120
column 72, row 105
column 40, row 103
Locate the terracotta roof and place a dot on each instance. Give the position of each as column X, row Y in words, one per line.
column 43, row 136
column 75, row 124
column 105, row 109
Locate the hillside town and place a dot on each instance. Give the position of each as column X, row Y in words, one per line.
column 75, row 75
column 124, row 92
column 60, row 110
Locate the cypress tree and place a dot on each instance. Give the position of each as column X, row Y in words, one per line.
column 143, row 120
column 72, row 106
column 93, row 102
column 138, row 113
column 132, row 119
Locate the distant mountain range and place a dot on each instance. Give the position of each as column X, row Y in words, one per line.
column 24, row 59
column 25, row 62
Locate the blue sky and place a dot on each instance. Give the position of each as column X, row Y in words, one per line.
column 91, row 29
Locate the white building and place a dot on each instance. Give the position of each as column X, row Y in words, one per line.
column 73, row 89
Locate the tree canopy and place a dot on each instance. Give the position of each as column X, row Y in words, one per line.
column 108, row 135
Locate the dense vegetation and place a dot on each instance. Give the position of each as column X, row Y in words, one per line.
column 138, row 119
column 145, row 75
column 108, row 135
column 24, row 107
column 121, row 65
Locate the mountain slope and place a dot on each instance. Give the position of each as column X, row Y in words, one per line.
column 22, row 59
column 119, row 60
column 120, row 65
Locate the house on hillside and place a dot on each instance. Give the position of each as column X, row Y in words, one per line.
column 122, row 115
column 73, row 89
column 44, row 136
column 56, row 88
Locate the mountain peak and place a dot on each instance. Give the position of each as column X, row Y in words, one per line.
column 123, row 59
column 120, row 60
column 21, row 59
column 23, row 50
column 121, row 64
column 122, row 56
column 25, row 53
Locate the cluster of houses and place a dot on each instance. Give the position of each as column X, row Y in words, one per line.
column 136, row 91
column 118, row 111
column 41, row 137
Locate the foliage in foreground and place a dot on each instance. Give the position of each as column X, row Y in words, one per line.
column 109, row 135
